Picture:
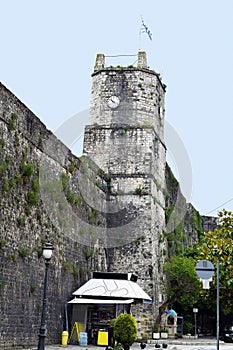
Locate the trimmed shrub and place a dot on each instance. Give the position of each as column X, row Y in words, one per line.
column 125, row 330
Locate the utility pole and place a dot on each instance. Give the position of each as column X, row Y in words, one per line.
column 217, row 322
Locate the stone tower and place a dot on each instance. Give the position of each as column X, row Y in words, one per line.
column 126, row 140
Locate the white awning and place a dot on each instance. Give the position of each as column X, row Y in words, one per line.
column 100, row 301
column 112, row 288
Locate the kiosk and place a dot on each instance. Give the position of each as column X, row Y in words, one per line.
column 100, row 300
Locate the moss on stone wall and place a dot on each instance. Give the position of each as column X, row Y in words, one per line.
column 26, row 225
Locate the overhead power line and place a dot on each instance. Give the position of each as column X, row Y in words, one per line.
column 220, row 206
column 122, row 56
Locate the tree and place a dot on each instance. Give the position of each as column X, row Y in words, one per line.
column 125, row 330
column 182, row 285
column 216, row 246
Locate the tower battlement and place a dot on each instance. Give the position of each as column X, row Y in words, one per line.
column 127, row 95
column 100, row 61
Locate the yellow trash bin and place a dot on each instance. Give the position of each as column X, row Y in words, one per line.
column 64, row 338
column 102, row 337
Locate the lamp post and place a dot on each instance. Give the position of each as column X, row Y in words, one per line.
column 47, row 254
column 195, row 311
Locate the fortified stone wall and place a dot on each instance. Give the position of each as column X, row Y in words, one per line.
column 184, row 223
column 38, row 187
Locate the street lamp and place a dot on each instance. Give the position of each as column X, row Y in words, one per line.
column 47, row 254
column 195, row 311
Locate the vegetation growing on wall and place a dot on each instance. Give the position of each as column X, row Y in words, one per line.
column 3, row 242
column 27, row 169
column 5, row 162
column 108, row 180
column 88, row 253
column 197, row 223
column 138, row 190
column 24, row 252
column 32, row 288
column 2, row 144
column 2, row 283
column 12, row 122
column 33, row 195
column 71, row 197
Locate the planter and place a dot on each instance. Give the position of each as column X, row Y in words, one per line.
column 156, row 335
column 164, row 335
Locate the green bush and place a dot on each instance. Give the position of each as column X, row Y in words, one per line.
column 188, row 328
column 125, row 330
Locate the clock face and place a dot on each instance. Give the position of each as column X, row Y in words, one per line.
column 113, row 102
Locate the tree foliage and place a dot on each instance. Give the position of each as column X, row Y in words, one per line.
column 216, row 246
column 182, row 285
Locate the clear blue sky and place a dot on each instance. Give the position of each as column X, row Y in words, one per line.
column 48, row 50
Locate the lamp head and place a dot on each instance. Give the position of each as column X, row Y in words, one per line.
column 47, row 251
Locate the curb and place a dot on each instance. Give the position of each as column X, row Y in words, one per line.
column 184, row 342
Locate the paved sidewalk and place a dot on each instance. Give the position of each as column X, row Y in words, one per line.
column 176, row 344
